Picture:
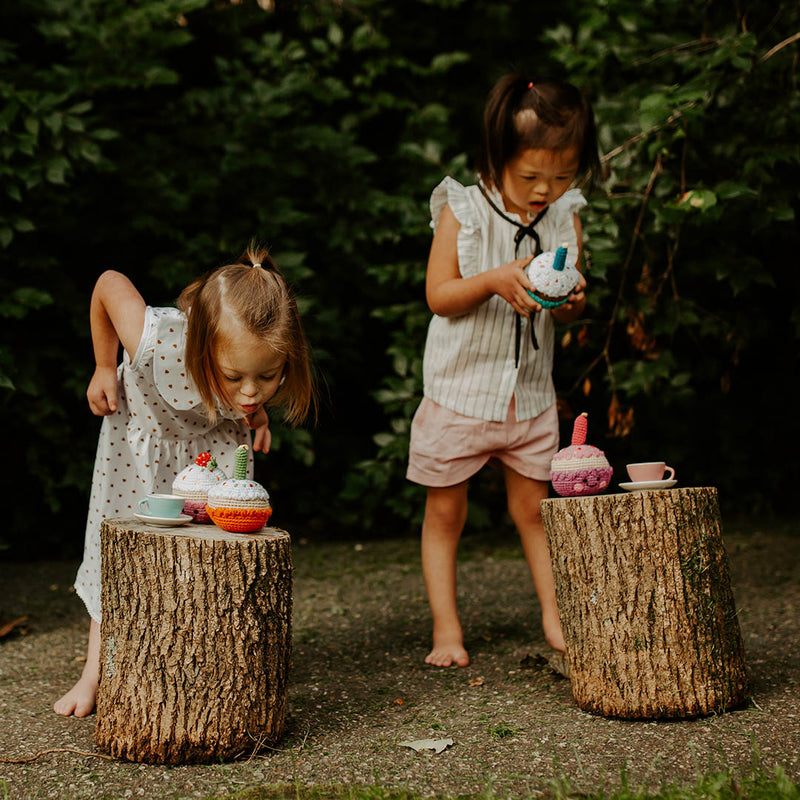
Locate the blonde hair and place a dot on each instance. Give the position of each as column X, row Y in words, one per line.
column 253, row 293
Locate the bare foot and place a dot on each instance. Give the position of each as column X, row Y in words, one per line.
column 80, row 700
column 447, row 651
column 553, row 634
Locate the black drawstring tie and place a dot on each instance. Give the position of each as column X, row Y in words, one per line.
column 519, row 236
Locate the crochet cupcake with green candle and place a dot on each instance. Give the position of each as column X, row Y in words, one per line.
column 239, row 504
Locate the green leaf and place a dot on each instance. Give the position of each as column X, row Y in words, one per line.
column 730, row 190
column 56, row 170
column 697, row 199
column 445, row 61
column 104, row 134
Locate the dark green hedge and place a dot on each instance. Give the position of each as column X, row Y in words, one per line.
column 158, row 137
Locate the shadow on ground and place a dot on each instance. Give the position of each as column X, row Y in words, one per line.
column 359, row 687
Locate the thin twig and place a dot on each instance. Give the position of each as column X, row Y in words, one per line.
column 605, row 353
column 785, row 43
column 28, row 759
column 699, row 43
column 676, row 115
column 678, row 112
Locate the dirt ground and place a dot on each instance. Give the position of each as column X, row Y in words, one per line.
column 358, row 686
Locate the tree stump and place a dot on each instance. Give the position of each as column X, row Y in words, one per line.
column 195, row 641
column 647, row 611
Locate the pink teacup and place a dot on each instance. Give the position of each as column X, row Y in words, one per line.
column 649, row 471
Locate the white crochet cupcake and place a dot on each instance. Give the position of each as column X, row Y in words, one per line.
column 553, row 276
column 193, row 484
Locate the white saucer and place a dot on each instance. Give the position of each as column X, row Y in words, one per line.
column 169, row 522
column 640, row 486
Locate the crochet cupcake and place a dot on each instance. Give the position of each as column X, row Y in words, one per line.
column 580, row 469
column 553, row 277
column 239, row 504
column 193, row 484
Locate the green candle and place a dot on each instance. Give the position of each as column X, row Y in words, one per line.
column 240, row 463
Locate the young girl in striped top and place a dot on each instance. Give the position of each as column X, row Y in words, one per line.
column 488, row 387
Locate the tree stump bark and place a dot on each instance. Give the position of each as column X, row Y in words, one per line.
column 195, row 641
column 647, row 611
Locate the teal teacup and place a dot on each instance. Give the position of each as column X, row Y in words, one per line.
column 162, row 505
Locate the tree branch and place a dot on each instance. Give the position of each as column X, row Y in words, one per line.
column 785, row 43
column 605, row 353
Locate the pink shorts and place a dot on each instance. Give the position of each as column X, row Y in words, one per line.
column 448, row 448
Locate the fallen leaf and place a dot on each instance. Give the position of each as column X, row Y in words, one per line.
column 477, row 682
column 437, row 745
column 399, row 701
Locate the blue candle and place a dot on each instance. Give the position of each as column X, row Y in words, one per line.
column 560, row 261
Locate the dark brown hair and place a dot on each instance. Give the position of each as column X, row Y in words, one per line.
column 259, row 299
column 548, row 115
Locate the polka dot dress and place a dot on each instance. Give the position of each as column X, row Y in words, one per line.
column 159, row 427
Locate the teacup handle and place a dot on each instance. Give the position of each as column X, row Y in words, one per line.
column 144, row 508
column 671, row 473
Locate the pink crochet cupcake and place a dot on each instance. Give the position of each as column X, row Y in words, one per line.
column 193, row 484
column 580, row 469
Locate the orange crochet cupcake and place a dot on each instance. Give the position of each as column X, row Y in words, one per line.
column 238, row 504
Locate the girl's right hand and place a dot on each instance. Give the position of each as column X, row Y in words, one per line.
column 510, row 282
column 102, row 391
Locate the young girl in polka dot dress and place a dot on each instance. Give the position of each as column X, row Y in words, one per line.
column 192, row 379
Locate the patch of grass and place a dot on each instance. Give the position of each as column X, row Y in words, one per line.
column 724, row 785
column 503, row 731
column 339, row 792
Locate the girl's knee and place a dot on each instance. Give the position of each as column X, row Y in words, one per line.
column 525, row 512
column 446, row 508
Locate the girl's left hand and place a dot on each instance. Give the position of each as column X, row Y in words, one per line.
column 258, row 422
column 576, row 296
column 576, row 302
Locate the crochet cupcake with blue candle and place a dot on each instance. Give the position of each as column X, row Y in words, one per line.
column 553, row 276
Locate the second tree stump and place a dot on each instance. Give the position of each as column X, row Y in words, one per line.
column 195, row 641
column 646, row 605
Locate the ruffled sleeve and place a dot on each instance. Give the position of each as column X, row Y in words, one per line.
column 461, row 201
column 572, row 201
column 569, row 204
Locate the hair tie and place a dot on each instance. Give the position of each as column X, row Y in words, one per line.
column 530, row 85
column 257, row 264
